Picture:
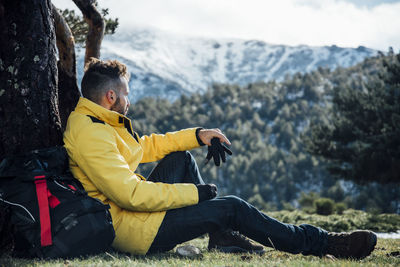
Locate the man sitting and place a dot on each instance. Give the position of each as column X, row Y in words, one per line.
column 173, row 205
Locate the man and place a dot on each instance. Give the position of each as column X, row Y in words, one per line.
column 173, row 205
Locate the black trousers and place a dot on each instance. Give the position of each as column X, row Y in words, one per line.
column 223, row 213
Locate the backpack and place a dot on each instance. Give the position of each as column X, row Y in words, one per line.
column 51, row 212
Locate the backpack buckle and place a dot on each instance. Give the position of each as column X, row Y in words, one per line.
column 39, row 178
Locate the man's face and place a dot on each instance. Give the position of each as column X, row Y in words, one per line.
column 122, row 103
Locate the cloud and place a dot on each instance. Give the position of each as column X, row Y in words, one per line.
column 291, row 22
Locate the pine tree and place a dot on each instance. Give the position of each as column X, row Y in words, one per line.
column 362, row 140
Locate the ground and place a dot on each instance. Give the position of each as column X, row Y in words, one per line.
column 380, row 257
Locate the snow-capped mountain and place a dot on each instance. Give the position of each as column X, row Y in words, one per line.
column 168, row 65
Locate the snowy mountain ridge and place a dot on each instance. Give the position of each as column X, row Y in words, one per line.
column 167, row 65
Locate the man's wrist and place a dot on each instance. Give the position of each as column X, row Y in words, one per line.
column 198, row 137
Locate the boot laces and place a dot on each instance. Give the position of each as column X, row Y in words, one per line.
column 238, row 236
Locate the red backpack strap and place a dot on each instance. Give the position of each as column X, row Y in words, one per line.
column 53, row 200
column 45, row 226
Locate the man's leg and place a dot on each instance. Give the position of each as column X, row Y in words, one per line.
column 221, row 214
column 177, row 167
column 181, row 167
column 181, row 225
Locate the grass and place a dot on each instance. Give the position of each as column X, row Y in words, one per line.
column 271, row 258
column 349, row 220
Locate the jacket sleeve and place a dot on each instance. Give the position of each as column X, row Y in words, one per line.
column 157, row 146
column 97, row 155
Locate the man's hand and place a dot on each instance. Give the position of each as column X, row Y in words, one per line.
column 206, row 191
column 217, row 150
column 206, row 135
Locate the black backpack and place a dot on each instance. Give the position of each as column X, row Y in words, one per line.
column 51, row 212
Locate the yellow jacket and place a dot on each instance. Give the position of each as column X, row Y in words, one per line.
column 104, row 157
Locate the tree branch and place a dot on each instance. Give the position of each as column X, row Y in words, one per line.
column 68, row 92
column 96, row 27
column 65, row 43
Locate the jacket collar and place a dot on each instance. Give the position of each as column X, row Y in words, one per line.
column 87, row 107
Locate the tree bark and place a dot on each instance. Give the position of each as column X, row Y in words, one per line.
column 68, row 90
column 29, row 116
column 96, row 27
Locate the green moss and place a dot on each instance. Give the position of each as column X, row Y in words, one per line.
column 10, row 69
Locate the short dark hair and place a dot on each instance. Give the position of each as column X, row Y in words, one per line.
column 100, row 76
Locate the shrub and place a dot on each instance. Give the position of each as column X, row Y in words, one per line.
column 340, row 207
column 341, row 226
column 306, row 200
column 309, row 210
column 287, row 206
column 324, row 206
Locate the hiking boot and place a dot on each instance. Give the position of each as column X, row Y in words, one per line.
column 357, row 244
column 233, row 242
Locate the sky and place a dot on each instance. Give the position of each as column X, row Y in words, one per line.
column 346, row 23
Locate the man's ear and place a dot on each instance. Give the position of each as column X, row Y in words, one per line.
column 111, row 97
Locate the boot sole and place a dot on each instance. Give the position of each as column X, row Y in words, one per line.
column 372, row 240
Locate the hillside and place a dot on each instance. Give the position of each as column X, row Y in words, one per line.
column 167, row 65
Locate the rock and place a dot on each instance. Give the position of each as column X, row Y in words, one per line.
column 188, row 251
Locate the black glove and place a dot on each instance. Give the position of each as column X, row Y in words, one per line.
column 206, row 191
column 217, row 150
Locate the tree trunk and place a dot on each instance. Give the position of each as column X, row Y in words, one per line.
column 29, row 116
column 67, row 84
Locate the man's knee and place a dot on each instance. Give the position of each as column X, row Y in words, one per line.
column 230, row 210
column 236, row 202
column 178, row 156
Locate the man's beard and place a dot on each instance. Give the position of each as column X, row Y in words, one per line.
column 117, row 107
